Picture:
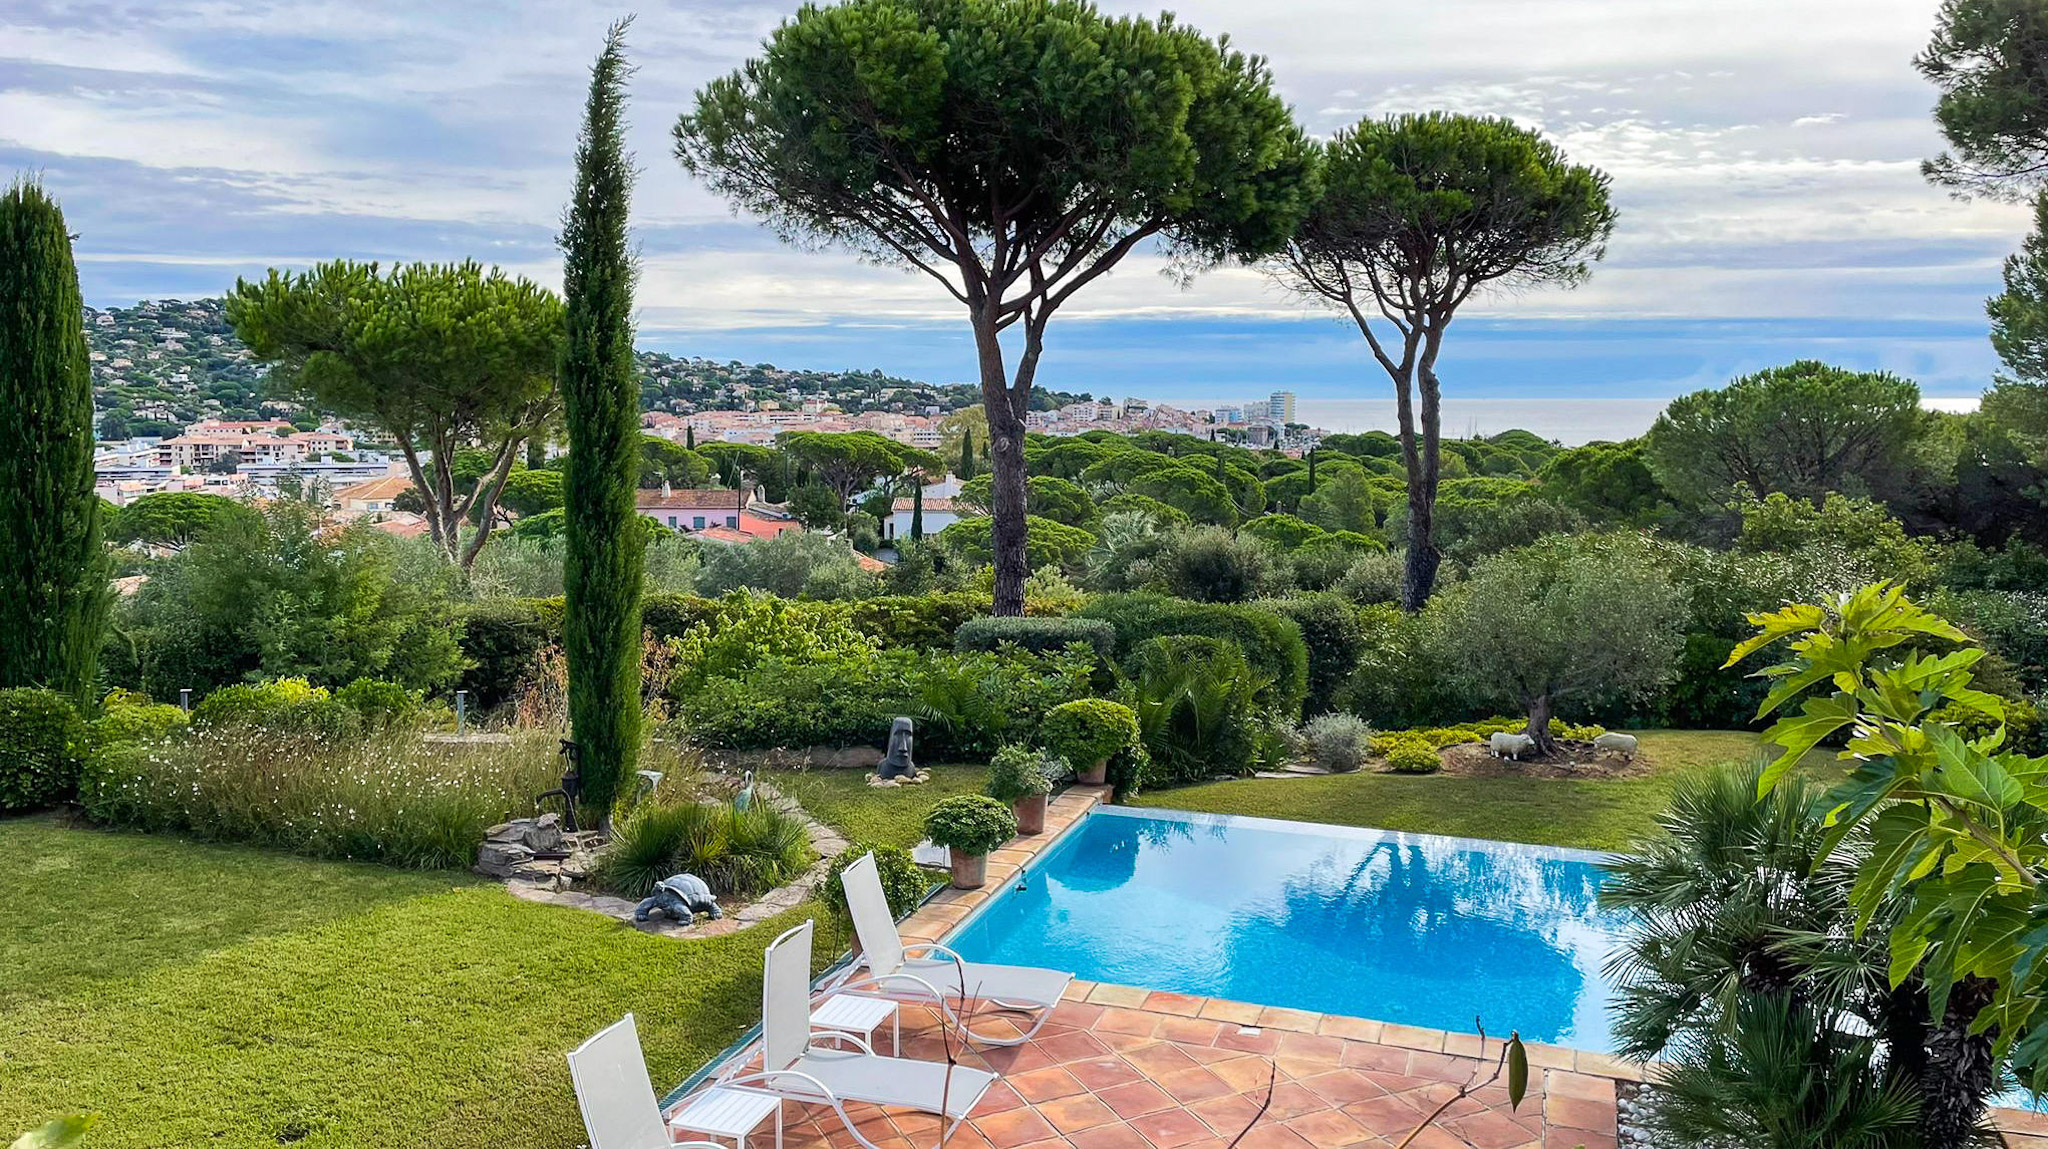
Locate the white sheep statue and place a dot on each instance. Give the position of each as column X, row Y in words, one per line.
column 1505, row 745
column 1626, row 743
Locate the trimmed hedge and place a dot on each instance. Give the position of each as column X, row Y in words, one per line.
column 1271, row 642
column 42, row 749
column 500, row 640
column 1037, row 635
column 1334, row 637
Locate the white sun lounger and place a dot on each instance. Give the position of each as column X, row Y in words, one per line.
column 795, row 1070
column 931, row 974
column 612, row 1089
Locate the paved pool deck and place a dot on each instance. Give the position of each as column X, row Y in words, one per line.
column 1123, row 1067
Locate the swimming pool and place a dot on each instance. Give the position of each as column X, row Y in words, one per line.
column 1410, row 928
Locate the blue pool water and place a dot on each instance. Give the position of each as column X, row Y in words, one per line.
column 1409, row 928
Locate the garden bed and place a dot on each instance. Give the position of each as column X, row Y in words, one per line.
column 739, row 914
column 1569, row 760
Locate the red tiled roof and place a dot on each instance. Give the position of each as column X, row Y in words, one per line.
column 943, row 505
column 688, row 499
column 385, row 488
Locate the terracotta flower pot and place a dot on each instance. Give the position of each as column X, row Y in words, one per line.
column 1030, row 811
column 1094, row 775
column 970, row 871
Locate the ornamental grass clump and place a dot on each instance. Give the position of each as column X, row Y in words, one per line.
column 735, row 851
column 387, row 798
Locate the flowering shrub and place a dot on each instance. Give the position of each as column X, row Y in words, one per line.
column 1412, row 757
column 387, row 798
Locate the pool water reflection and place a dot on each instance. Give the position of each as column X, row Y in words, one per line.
column 1408, row 928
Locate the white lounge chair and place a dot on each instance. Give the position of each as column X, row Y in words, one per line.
column 795, row 1070
column 933, row 975
column 617, row 1099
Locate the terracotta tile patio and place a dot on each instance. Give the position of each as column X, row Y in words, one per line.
column 1159, row 1076
column 1120, row 1067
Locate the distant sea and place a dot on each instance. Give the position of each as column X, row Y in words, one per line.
column 1569, row 421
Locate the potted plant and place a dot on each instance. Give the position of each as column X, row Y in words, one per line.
column 969, row 826
column 1023, row 777
column 1087, row 732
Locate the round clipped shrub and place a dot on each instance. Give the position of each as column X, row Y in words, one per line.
column 904, row 883
column 283, row 705
column 1338, row 741
column 1088, row 730
column 42, row 745
column 128, row 716
column 971, row 824
column 1019, row 772
column 1412, row 756
column 382, row 705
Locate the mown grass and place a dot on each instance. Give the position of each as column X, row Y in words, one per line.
column 195, row 994
column 888, row 817
column 206, row 994
column 1594, row 815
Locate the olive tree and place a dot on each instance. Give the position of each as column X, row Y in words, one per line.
column 1418, row 212
column 1012, row 150
column 1568, row 618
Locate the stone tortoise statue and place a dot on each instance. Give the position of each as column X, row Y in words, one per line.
column 682, row 897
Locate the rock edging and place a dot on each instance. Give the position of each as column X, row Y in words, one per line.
column 827, row 841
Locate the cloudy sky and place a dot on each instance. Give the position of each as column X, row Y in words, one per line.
column 1764, row 156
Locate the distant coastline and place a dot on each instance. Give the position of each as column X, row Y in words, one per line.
column 1572, row 422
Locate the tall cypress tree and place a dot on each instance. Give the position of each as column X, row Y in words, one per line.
column 967, row 454
column 601, row 401
column 917, row 512
column 54, row 593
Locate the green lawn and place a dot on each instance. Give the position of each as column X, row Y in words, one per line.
column 1553, row 812
column 197, row 994
column 842, row 798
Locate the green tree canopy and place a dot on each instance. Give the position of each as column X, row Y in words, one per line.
column 172, row 518
column 1417, row 213
column 1571, row 618
column 1014, row 151
column 1045, row 496
column 850, row 462
column 437, row 356
column 532, row 492
column 1052, row 544
column 667, row 461
column 1804, row 429
column 281, row 593
column 1608, row 482
column 1989, row 58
